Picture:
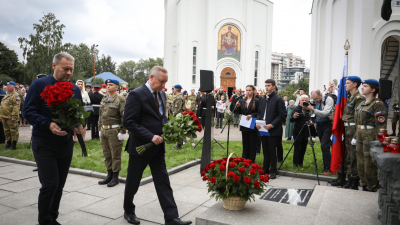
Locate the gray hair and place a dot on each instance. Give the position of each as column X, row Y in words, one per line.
column 57, row 58
column 316, row 91
column 156, row 69
column 303, row 96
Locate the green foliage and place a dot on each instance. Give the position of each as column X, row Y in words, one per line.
column 136, row 73
column 291, row 88
column 126, row 71
column 84, row 61
column 179, row 127
column 97, row 80
column 9, row 64
column 70, row 114
column 105, row 64
column 4, row 78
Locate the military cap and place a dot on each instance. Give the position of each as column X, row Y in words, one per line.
column 124, row 88
column 178, row 86
column 104, row 85
column 371, row 81
column 96, row 86
column 225, row 91
column 165, row 89
column 40, row 76
column 88, row 85
column 354, row 79
column 185, row 92
column 112, row 81
column 234, row 91
column 131, row 89
column 10, row 82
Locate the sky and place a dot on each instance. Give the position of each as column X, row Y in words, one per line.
column 134, row 29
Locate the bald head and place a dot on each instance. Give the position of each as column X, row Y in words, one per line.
column 316, row 95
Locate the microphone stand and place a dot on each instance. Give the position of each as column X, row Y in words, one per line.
column 228, row 122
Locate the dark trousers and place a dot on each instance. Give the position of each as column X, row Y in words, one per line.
column 53, row 161
column 89, row 122
column 258, row 143
column 136, row 166
column 2, row 135
column 220, row 117
column 269, row 150
column 279, row 149
column 300, row 147
column 249, row 142
column 95, row 127
column 324, row 131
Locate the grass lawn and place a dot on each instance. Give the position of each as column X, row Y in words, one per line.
column 95, row 160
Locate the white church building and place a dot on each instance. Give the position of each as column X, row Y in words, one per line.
column 374, row 42
column 230, row 37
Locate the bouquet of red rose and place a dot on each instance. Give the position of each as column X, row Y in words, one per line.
column 244, row 178
column 182, row 125
column 69, row 111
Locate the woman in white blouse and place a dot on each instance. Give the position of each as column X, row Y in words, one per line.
column 85, row 100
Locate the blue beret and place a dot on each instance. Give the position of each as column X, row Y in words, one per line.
column 112, row 81
column 354, row 79
column 178, row 86
column 371, row 81
column 185, row 92
column 11, row 82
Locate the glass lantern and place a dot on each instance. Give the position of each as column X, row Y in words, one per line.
column 385, row 144
column 394, row 146
column 382, row 134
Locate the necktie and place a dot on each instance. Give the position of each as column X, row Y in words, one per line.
column 157, row 103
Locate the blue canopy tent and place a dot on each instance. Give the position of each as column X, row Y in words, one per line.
column 109, row 75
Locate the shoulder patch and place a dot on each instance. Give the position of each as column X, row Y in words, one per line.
column 377, row 101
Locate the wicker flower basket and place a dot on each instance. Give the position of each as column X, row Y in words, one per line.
column 233, row 203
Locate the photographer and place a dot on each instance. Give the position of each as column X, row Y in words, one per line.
column 300, row 117
column 323, row 112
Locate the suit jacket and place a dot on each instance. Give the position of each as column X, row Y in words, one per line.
column 142, row 119
column 275, row 113
column 95, row 99
column 248, row 111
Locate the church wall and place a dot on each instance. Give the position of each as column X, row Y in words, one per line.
column 260, row 28
column 170, row 41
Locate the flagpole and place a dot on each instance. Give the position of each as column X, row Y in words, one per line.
column 346, row 47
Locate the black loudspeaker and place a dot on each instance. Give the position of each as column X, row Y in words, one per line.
column 385, row 88
column 206, row 80
column 230, row 89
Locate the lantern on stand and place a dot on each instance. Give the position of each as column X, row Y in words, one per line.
column 394, row 146
column 385, row 144
column 382, row 134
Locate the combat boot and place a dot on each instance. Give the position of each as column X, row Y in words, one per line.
column 338, row 182
column 107, row 179
column 8, row 145
column 337, row 179
column 114, row 180
column 177, row 147
column 355, row 184
column 393, row 134
column 13, row 145
column 348, row 183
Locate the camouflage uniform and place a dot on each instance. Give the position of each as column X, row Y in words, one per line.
column 371, row 114
column 350, row 159
column 170, row 99
column 112, row 113
column 217, row 96
column 178, row 105
column 396, row 114
column 192, row 103
column 193, row 106
column 9, row 109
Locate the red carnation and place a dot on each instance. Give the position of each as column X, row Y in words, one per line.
column 242, row 170
column 206, row 169
column 205, row 178
column 212, row 180
column 223, row 162
column 254, row 166
column 261, row 172
column 231, row 174
column 252, row 172
column 212, row 166
column 237, row 160
column 236, row 178
column 232, row 164
column 203, row 173
column 266, row 178
column 191, row 113
column 256, row 184
column 222, row 167
column 245, row 164
column 225, row 158
column 248, row 161
column 184, row 113
column 247, row 180
column 192, row 116
column 58, row 93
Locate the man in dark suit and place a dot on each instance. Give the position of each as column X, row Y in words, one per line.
column 95, row 100
column 272, row 110
column 144, row 117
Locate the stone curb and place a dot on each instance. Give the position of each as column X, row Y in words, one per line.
column 304, row 175
column 95, row 174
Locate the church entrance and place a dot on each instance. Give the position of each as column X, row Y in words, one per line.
column 228, row 78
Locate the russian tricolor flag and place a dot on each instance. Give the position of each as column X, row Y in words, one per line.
column 338, row 124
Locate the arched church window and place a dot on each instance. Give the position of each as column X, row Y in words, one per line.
column 228, row 73
column 194, row 65
column 396, row 3
column 256, row 68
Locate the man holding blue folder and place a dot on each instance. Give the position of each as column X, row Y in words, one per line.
column 272, row 111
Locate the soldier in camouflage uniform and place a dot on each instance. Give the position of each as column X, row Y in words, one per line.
column 9, row 115
column 178, row 106
column 192, row 97
column 190, row 102
column 370, row 117
column 112, row 132
column 218, row 95
column 170, row 99
column 354, row 99
column 395, row 118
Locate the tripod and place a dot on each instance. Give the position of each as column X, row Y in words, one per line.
column 203, row 138
column 312, row 147
column 228, row 122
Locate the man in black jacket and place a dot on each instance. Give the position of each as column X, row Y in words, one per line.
column 95, row 100
column 272, row 110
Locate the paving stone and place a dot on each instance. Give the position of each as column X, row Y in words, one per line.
column 5, row 193
column 15, row 168
column 5, row 209
column 191, row 216
column 19, row 175
column 21, row 199
column 3, row 163
column 102, row 190
column 22, row 185
column 150, row 191
column 192, row 195
column 82, row 218
column 122, row 221
column 24, row 216
column 112, row 207
column 183, row 179
column 74, row 200
column 153, row 212
column 210, row 203
column 5, row 181
column 199, row 184
column 76, row 182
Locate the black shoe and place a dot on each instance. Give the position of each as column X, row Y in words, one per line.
column 355, row 184
column 13, row 146
column 337, row 179
column 365, row 188
column 34, row 170
column 349, row 183
column 393, row 134
column 220, row 127
column 178, row 221
column 131, row 218
column 177, row 147
column 272, row 175
column 216, row 127
column 288, row 139
column 8, row 145
column 107, row 179
column 338, row 182
column 54, row 222
column 88, row 129
column 114, row 181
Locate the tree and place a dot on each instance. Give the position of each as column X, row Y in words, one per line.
column 105, row 64
column 97, row 80
column 9, row 62
column 4, row 78
column 291, row 88
column 39, row 49
column 126, row 71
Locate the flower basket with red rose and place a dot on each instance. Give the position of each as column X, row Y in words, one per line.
column 235, row 181
column 182, row 125
column 69, row 111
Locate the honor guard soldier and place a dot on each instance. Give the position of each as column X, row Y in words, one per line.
column 218, row 95
column 354, row 99
column 178, row 106
column 170, row 99
column 370, row 117
column 192, row 97
column 95, row 99
column 9, row 115
column 112, row 131
column 395, row 118
column 103, row 90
